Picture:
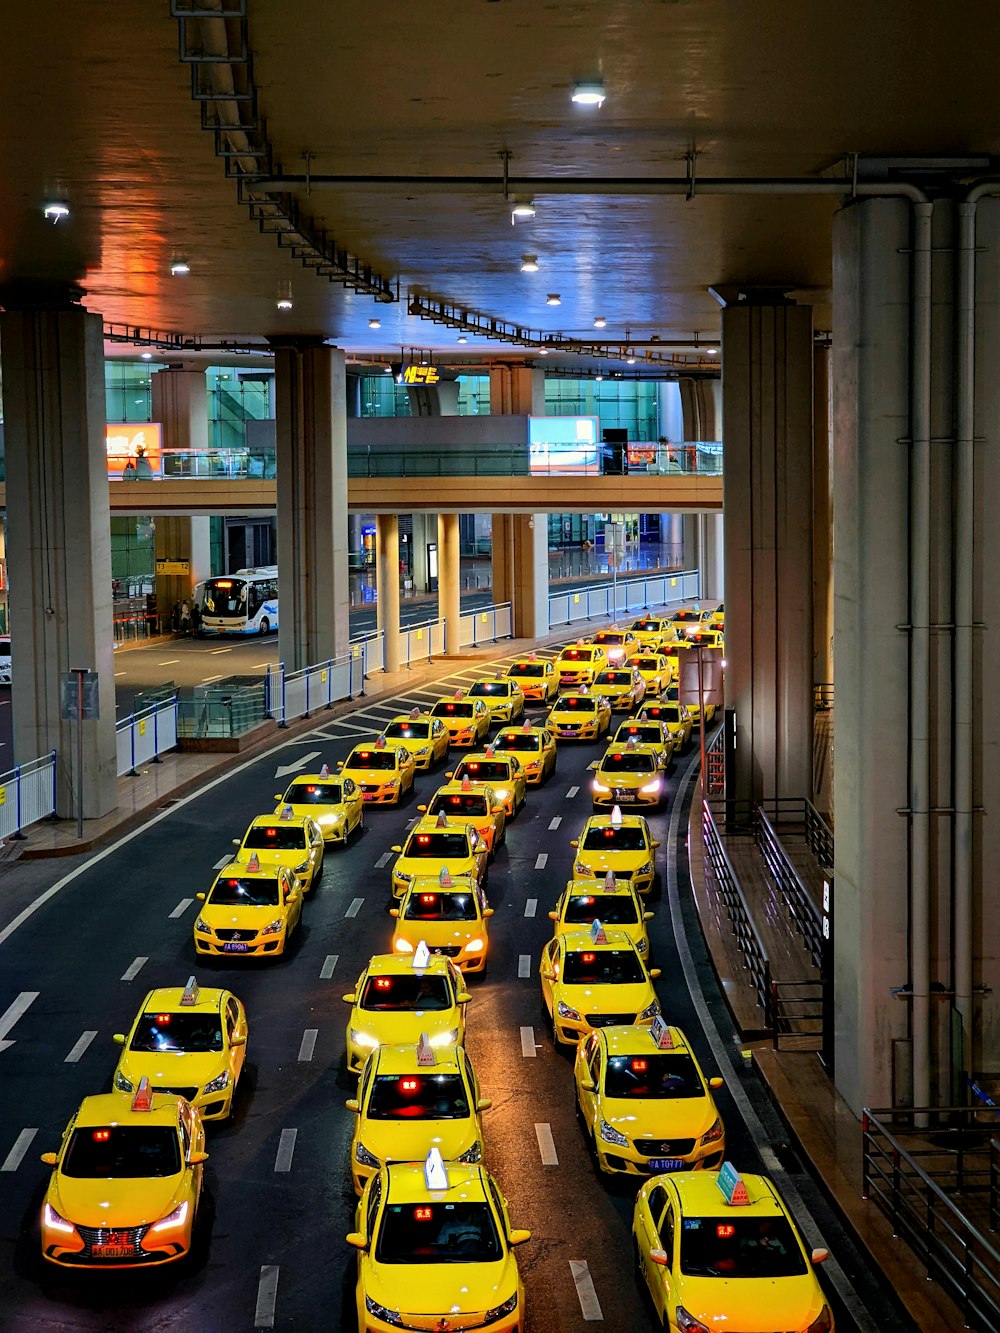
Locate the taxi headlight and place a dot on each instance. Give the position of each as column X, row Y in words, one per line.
column 567, row 1011
column 502, row 793
column 823, row 1323
column 404, row 946
column 122, row 1084
column 176, row 1218
column 498, row 1311
column 56, row 1222
column 380, row 1312
column 364, row 1039
column 402, row 876
column 650, row 1011
column 599, row 786
column 645, row 869
column 218, row 1083
column 301, row 868
column 273, row 927
column 202, row 926
column 714, row 1134
column 611, row 1135
column 474, row 946
column 686, row 1323
column 533, row 766
column 364, row 1158
column 472, row 1155
column 445, row 1038
column 653, row 786
column 424, row 749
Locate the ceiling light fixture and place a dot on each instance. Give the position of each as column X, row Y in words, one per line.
column 630, row 360
column 374, row 323
column 284, row 303
column 589, row 94
column 553, row 298
column 147, row 356
column 712, row 351
column 600, row 322
column 56, row 212
column 522, row 208
column 543, row 351
column 529, row 263
column 462, row 338
column 180, row 269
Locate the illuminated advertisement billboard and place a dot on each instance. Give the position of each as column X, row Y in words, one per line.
column 134, row 450
column 563, row 444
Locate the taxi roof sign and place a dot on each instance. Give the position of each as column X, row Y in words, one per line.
column 732, row 1185
column 253, row 865
column 287, row 812
column 442, row 820
column 324, row 772
column 466, row 782
column 597, row 932
column 610, row 883
column 425, row 1051
column 616, row 816
column 630, row 744
column 143, row 1099
column 526, row 727
column 190, row 995
column 414, row 713
column 380, row 742
column 659, row 1030
column 445, row 879
column 458, row 694
column 435, row 1174
column 421, row 957
column 490, row 752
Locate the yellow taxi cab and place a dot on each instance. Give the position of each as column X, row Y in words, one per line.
column 617, row 842
column 467, row 720
column 125, row 1183
column 439, row 843
column 411, row 1099
column 652, row 632
column 672, row 696
column 425, row 737
column 595, row 978
column 188, row 1041
column 533, row 747
column 579, row 717
column 333, row 802
column 613, row 902
column 629, row 774
column 285, row 839
column 536, row 677
column 503, row 772
column 385, row 773
column 684, row 618
column 619, row 644
column 435, row 1250
column 623, row 687
column 645, row 1103
column 708, row 636
column 655, row 670
column 248, row 910
column 579, row 663
column 645, row 731
column 675, row 717
column 718, row 617
column 449, row 915
column 501, row 695
column 720, row 1250
column 463, row 803
column 399, row 998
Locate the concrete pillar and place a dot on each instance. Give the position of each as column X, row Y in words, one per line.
column 712, row 550
column 822, row 519
column 387, row 585
column 311, row 435
column 421, row 536
column 449, row 578
column 767, row 391
column 670, row 410
column 690, row 541
column 520, row 541
column 59, row 553
column 502, row 553
column 179, row 537
column 179, row 402
column 531, row 575
column 517, row 390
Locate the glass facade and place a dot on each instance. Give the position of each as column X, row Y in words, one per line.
column 127, row 392
column 235, row 396
column 630, row 405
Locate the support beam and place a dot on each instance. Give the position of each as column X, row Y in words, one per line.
column 387, row 586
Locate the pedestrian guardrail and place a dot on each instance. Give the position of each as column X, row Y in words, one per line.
column 748, row 941
column 27, row 794
column 485, row 625
column 419, row 643
column 143, row 736
column 618, row 598
column 801, row 908
column 291, row 694
column 221, row 711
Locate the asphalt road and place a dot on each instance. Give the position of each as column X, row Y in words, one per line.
column 125, row 904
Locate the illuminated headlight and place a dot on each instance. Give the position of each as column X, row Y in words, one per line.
column 498, row 1311
column 55, row 1222
column 645, row 869
column 599, row 786
column 651, row 787
column 364, row 1158
column 567, row 1011
column 474, row 946
column 650, row 1011
column 424, row 749
column 611, row 1135
column 534, row 766
column 714, row 1134
column 404, row 946
column 363, row 1039
column 202, row 926
column 473, row 1154
column 445, row 1038
column 380, row 1312
column 502, row 793
column 217, row 1084
column 122, row 1083
column 273, row 927
column 173, row 1219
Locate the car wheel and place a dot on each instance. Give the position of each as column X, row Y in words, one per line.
column 265, row 626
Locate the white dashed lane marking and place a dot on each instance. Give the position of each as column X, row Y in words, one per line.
column 528, row 1049
column 267, row 1296
column 555, row 821
column 524, row 965
column 181, row 908
column 383, row 860
column 329, row 963
column 355, row 907
column 571, row 793
column 589, row 1304
column 223, row 862
column 80, row 1048
column 529, row 906
column 541, row 860
column 308, row 1044
column 286, row 1147
column 16, row 1155
column 134, row 968
column 546, row 1145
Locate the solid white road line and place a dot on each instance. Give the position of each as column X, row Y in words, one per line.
column 571, row 793
column 214, row 652
column 524, row 964
column 207, row 680
column 224, row 861
column 308, row 1043
column 79, row 1048
column 169, row 662
column 181, row 907
column 133, row 969
column 267, row 1296
column 21, row 1145
column 119, row 673
column 589, row 1304
column 355, row 907
column 528, row 1043
column 540, row 860
column 286, row 1147
column 546, row 1145
column 383, row 860
column 529, row 906
column 329, row 963
column 555, row 821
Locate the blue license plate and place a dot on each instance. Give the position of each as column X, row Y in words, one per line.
column 230, row 947
column 665, row 1164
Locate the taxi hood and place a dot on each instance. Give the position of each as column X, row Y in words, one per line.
column 411, row 1140
column 439, row 934
column 752, row 1304
column 404, row 1028
column 611, row 998
column 660, row 1118
column 173, row 1068
column 437, row 1289
column 115, row 1203
column 243, row 918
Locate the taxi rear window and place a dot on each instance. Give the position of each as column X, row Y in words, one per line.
column 314, row 793
column 643, row 735
column 375, row 759
column 614, row 678
column 613, row 909
column 607, row 838
column 406, row 990
column 438, row 1233
column 276, row 838
column 483, row 770
column 177, row 1032
column 453, row 708
column 734, row 1246
column 120, row 1152
column 459, row 803
column 407, row 731
column 607, row 636
column 418, row 1097
column 442, row 845
column 657, row 1075
column 525, row 741
column 602, row 967
column 527, row 669
column 647, row 626
column 440, row 907
column 576, row 703
column 628, row 761
column 245, row 893
column 578, row 654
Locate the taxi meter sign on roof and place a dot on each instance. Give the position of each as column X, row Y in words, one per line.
column 732, row 1185
column 663, row 1038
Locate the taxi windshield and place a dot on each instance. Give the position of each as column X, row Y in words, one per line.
column 608, row 838
column 491, row 688
column 418, row 1097
column 245, row 893
column 483, row 770
column 574, row 703
column 647, row 735
column 672, row 712
column 578, row 654
column 734, row 1246
column 438, row 1233
column 610, row 636
column 602, row 967
column 122, row 1151
column 613, row 909
column 443, row 846
column 314, row 793
column 647, row 663
column 372, row 759
column 628, row 761
column 527, row 669
column 614, row 678
column 406, row 990
column 525, row 741
column 660, row 1074
column 188, row 1031
column 647, row 626
column 407, row 731
column 440, row 907
column 276, row 838
column 450, row 708
column 459, row 803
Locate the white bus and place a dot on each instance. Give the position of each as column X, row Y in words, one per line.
column 242, row 603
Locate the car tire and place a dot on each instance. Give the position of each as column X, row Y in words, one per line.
column 265, row 626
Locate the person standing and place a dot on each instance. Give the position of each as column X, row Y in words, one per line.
column 185, row 616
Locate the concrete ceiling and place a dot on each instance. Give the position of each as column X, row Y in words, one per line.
column 97, row 110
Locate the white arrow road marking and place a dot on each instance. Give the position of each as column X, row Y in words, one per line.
column 13, row 1013
column 589, row 1304
column 16, row 1155
column 296, row 765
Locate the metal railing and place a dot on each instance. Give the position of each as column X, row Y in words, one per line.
column 715, row 759
column 27, row 794
column 291, row 694
column 627, row 595
column 823, row 696
column 803, row 911
column 485, row 625
column 954, row 1251
column 748, row 941
column 143, row 736
column 796, row 1012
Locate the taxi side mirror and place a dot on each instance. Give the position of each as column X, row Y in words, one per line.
column 647, row 916
column 357, row 1240
column 394, row 911
column 340, row 763
column 50, row 1158
column 593, row 764
column 450, row 773
column 553, row 916
column 819, row 1256
column 200, row 897
column 422, row 809
column 655, row 843
column 119, row 1038
column 463, row 997
column 547, row 973
column 395, row 847
column 586, row 1084
column 659, row 1257
column 487, row 911
column 292, row 897
column 196, row 1158
column 574, row 842
column 716, row 1082
column 353, row 1104
column 277, row 795
column 484, row 1104
column 654, row 972
column 349, row 998
column 238, row 1039
column 236, row 842
column 518, row 1236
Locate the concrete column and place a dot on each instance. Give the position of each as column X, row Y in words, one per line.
column 690, row 541
column 517, row 390
column 712, row 550
column 531, row 575
column 822, row 520
column 179, row 400
column 179, row 537
column 59, row 552
column 311, row 435
column 449, row 578
column 767, row 392
column 520, row 541
column 421, row 536
column 502, row 549
column 387, row 585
